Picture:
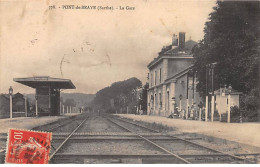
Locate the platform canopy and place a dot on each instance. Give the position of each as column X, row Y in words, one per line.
column 54, row 83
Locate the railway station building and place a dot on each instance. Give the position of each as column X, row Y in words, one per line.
column 47, row 94
column 172, row 82
column 19, row 104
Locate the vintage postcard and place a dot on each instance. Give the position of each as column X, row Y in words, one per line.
column 129, row 82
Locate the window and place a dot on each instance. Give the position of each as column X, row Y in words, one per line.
column 156, row 101
column 155, row 73
column 168, row 104
column 160, row 100
column 151, row 79
column 160, row 75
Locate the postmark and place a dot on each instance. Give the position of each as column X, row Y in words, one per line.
column 28, row 147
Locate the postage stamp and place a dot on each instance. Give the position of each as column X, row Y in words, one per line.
column 28, row 147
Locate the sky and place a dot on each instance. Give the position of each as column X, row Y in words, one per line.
column 93, row 48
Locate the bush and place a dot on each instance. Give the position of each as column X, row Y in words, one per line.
column 250, row 106
column 216, row 115
column 235, row 114
column 224, row 117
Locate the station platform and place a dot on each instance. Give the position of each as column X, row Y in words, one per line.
column 245, row 133
column 29, row 122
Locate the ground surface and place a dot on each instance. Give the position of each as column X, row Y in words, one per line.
column 28, row 122
column 101, row 135
column 246, row 133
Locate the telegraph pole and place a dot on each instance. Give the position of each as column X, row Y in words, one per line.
column 212, row 89
column 206, row 107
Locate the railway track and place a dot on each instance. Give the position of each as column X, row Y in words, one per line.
column 150, row 136
column 216, row 153
column 215, row 156
column 128, row 142
column 64, row 142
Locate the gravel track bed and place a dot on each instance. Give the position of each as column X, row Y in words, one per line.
column 111, row 147
column 69, row 127
column 157, row 127
column 214, row 160
column 133, row 127
column 110, row 137
column 158, row 137
column 55, row 145
column 68, row 124
column 2, row 145
column 99, row 124
column 47, row 127
column 180, row 147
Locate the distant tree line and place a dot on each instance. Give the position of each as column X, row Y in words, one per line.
column 119, row 97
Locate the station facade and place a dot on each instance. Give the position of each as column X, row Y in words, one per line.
column 172, row 82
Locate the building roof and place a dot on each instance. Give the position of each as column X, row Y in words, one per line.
column 174, row 52
column 188, row 47
column 14, row 95
column 7, row 96
column 55, row 83
column 180, row 74
column 225, row 90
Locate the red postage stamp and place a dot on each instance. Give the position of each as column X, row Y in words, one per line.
column 28, row 147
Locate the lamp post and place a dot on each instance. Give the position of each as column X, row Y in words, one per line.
column 11, row 101
column 139, row 104
column 173, row 104
column 212, row 65
column 200, row 106
column 194, row 86
column 60, row 108
column 212, row 106
column 152, row 104
column 187, row 94
column 180, row 97
column 36, row 105
column 25, row 106
column 207, row 98
column 229, row 92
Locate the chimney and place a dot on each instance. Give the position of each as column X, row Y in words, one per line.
column 181, row 40
column 174, row 40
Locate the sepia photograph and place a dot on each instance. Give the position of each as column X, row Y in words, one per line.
column 129, row 82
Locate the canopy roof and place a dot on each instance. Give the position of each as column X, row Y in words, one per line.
column 37, row 81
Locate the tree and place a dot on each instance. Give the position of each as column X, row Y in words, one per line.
column 144, row 98
column 121, row 93
column 70, row 102
column 232, row 39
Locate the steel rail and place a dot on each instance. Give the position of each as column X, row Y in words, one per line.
column 118, row 138
column 57, row 155
column 153, row 130
column 62, row 144
column 64, row 155
column 193, row 143
column 61, row 125
column 107, row 134
column 206, row 147
column 151, row 142
column 66, row 120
